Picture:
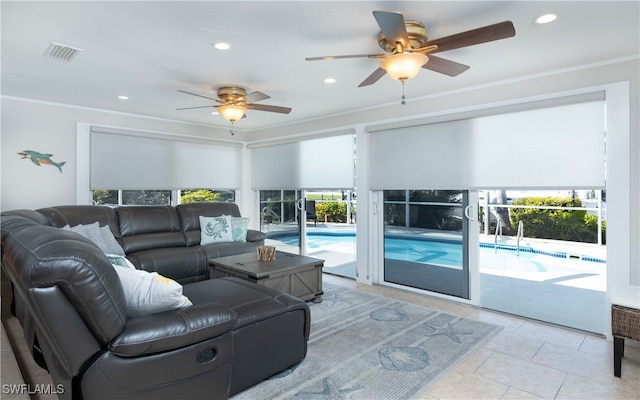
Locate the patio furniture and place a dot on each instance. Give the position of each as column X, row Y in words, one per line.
column 310, row 206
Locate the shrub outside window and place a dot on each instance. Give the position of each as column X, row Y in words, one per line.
column 159, row 197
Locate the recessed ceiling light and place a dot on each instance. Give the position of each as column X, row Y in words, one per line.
column 330, row 80
column 214, row 112
column 123, row 97
column 222, row 46
column 546, row 18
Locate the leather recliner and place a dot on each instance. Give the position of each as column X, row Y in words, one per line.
column 71, row 302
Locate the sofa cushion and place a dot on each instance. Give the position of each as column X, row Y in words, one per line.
column 215, row 229
column 100, row 235
column 182, row 264
column 216, row 250
column 171, row 330
column 12, row 222
column 252, row 303
column 149, row 227
column 72, row 215
column 31, row 215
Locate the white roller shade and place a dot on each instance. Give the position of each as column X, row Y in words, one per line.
column 322, row 163
column 555, row 147
column 123, row 161
column 206, row 166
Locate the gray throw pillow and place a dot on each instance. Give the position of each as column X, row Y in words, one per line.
column 100, row 235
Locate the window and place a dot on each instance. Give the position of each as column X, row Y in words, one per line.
column 200, row 195
column 132, row 197
column 106, row 197
column 278, row 206
column 160, row 197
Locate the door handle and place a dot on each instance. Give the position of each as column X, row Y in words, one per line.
column 468, row 210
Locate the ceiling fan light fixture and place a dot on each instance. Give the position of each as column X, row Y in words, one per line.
column 403, row 66
column 232, row 112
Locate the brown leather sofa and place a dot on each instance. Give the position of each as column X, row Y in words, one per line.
column 71, row 305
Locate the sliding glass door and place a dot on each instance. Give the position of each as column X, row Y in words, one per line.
column 319, row 224
column 279, row 219
column 426, row 240
column 331, row 231
column 542, row 249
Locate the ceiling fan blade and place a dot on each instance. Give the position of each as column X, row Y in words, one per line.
column 191, row 108
column 443, row 66
column 199, row 95
column 264, row 107
column 501, row 30
column 345, row 56
column 392, row 26
column 256, row 96
column 373, row 78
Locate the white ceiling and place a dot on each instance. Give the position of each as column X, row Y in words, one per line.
column 149, row 49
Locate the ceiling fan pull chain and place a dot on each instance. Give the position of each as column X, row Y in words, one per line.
column 403, row 97
column 231, row 128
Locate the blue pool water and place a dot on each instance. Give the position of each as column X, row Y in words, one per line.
column 436, row 251
column 448, row 253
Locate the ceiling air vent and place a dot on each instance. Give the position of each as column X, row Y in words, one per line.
column 61, row 52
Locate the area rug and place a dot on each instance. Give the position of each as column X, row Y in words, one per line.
column 364, row 346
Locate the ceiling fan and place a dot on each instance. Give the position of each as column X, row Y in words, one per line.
column 406, row 45
column 234, row 103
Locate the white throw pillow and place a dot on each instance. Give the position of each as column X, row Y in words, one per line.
column 215, row 229
column 149, row 292
column 100, row 235
column 239, row 227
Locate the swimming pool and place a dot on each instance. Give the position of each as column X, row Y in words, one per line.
column 446, row 252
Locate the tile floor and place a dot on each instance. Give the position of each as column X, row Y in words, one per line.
column 526, row 360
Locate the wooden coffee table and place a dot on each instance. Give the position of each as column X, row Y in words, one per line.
column 298, row 275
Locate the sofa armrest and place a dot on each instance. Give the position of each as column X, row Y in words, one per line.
column 255, row 236
column 174, row 329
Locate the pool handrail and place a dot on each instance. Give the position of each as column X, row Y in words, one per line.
column 498, row 232
column 520, row 235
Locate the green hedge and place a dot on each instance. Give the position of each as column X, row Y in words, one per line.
column 196, row 196
column 569, row 225
column 335, row 211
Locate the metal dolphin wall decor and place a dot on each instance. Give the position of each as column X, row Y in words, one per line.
column 40, row 158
